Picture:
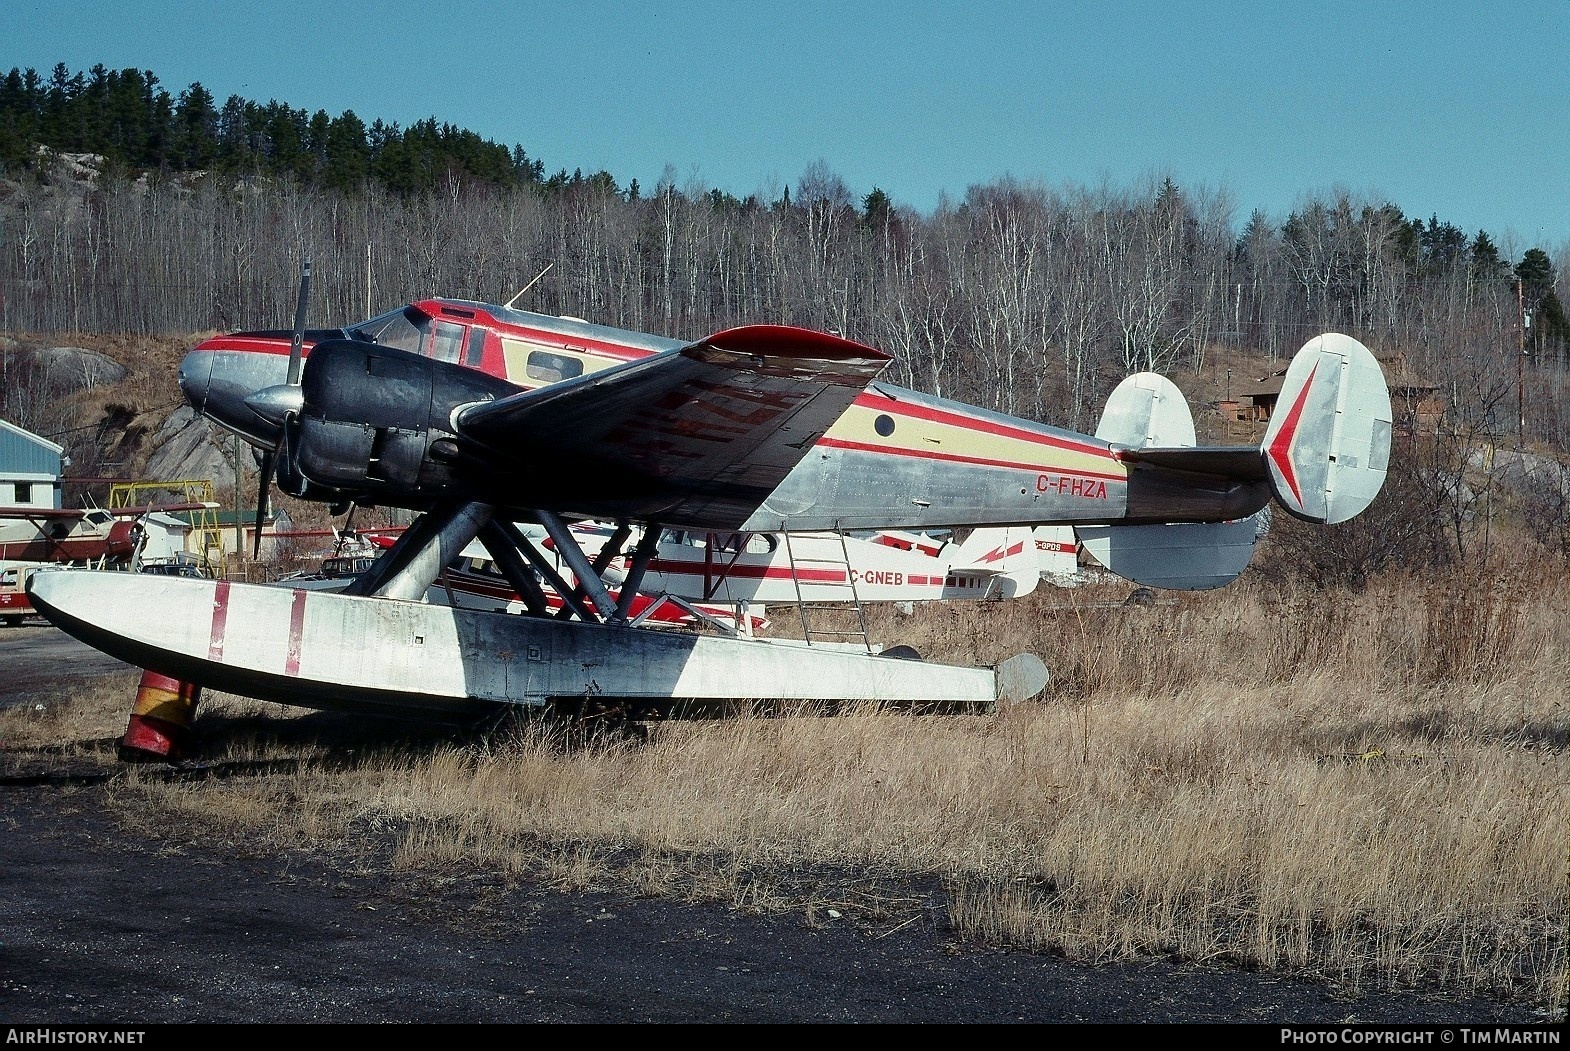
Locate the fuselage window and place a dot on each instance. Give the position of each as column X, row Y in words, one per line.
column 447, row 341
column 476, row 348
column 552, row 368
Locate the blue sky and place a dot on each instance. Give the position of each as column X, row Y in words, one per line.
column 1452, row 108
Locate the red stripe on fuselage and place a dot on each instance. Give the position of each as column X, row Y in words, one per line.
column 250, row 345
column 977, row 461
column 695, row 569
column 215, row 639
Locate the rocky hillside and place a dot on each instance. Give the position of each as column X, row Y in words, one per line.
column 113, row 403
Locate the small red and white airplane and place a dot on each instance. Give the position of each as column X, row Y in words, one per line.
column 478, row 416
column 89, row 536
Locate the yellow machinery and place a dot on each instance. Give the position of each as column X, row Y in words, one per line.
column 205, row 532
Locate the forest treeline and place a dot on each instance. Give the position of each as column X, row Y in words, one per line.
column 1031, row 299
column 127, row 118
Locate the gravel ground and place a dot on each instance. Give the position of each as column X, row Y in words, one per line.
column 98, row 928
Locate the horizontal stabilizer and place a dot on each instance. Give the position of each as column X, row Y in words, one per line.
column 1243, row 463
column 1188, row 556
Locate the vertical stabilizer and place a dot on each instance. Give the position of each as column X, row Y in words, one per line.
column 1328, row 444
column 1147, row 410
column 1007, row 555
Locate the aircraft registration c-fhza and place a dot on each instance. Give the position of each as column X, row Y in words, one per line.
column 480, row 416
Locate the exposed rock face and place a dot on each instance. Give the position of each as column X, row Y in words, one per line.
column 76, row 368
column 186, row 446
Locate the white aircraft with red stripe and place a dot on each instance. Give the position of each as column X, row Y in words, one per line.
column 732, row 577
column 478, row 416
column 885, row 566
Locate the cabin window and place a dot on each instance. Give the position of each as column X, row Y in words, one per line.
column 476, row 348
column 24, row 492
column 8, row 579
column 447, row 341
column 751, row 543
column 551, row 368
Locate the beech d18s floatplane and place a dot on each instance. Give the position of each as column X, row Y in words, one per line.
column 480, row 417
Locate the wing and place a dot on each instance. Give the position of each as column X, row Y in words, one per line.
column 705, row 432
column 142, row 509
column 42, row 514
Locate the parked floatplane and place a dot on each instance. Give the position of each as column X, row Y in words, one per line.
column 479, row 417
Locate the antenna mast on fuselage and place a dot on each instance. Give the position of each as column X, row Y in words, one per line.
column 528, row 286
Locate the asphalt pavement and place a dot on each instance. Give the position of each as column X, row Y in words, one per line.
column 37, row 655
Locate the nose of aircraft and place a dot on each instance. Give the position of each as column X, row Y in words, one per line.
column 196, row 371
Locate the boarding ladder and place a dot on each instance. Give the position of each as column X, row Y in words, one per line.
column 834, row 615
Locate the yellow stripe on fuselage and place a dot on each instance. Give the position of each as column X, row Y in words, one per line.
column 879, row 424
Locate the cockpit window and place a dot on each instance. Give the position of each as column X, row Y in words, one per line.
column 448, row 341
column 474, row 353
column 403, row 329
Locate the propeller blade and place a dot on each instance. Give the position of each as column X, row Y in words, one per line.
column 263, row 486
column 296, row 346
column 269, row 460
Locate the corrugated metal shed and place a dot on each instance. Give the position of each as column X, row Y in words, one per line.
column 37, row 462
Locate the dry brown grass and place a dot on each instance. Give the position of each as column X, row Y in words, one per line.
column 1368, row 787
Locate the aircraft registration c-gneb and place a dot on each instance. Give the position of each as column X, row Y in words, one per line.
column 479, row 416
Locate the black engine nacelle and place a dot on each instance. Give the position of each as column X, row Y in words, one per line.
column 370, row 419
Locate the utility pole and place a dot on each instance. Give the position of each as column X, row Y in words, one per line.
column 239, row 530
column 1226, row 420
column 1520, row 360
